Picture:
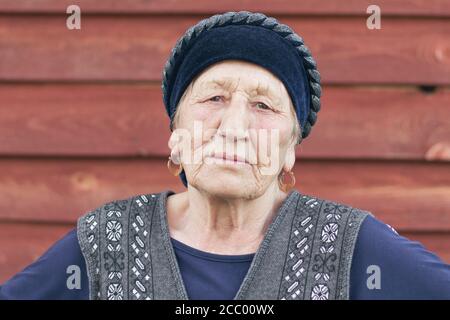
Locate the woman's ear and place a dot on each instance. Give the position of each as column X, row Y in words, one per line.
column 289, row 159
column 174, row 139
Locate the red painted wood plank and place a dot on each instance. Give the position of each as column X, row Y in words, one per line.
column 408, row 196
column 108, row 48
column 130, row 120
column 22, row 244
column 288, row 7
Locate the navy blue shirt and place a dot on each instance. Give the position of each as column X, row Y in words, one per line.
column 406, row 270
column 209, row 275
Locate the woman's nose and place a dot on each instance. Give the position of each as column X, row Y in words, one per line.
column 233, row 134
column 235, row 120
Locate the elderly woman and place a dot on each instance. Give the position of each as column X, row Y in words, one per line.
column 241, row 90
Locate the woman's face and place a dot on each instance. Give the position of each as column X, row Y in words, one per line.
column 234, row 110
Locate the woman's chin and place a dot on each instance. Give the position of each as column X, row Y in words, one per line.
column 226, row 181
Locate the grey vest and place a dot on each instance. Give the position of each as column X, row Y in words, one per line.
column 306, row 252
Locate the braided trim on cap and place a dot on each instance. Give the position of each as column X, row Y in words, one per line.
column 256, row 19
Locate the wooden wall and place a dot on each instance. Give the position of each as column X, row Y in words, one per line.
column 82, row 120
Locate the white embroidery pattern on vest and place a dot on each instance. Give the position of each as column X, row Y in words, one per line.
column 115, row 255
column 299, row 255
column 326, row 256
column 140, row 277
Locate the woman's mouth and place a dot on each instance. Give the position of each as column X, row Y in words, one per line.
column 225, row 158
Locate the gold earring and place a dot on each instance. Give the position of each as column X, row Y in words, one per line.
column 173, row 168
column 283, row 185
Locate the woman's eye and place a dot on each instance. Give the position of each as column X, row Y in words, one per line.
column 263, row 106
column 214, row 98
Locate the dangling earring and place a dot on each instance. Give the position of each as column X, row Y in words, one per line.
column 173, row 168
column 283, row 185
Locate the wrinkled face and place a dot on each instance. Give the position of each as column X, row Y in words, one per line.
column 235, row 130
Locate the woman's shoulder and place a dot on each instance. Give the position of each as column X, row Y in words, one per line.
column 59, row 273
column 387, row 265
column 116, row 220
column 330, row 211
column 405, row 268
column 122, row 206
column 115, row 237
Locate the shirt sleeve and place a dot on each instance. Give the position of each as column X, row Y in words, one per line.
column 59, row 274
column 388, row 266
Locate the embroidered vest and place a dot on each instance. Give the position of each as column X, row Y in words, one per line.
column 306, row 252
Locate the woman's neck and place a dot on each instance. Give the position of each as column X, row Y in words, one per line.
column 222, row 225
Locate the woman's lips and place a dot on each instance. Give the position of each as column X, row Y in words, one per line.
column 229, row 158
